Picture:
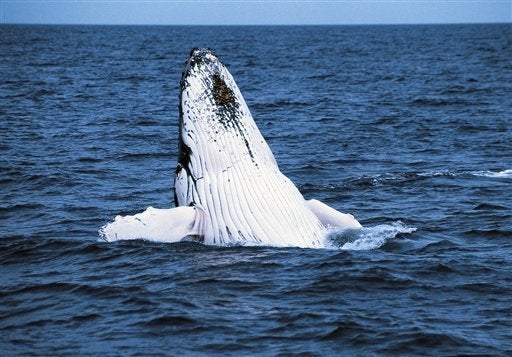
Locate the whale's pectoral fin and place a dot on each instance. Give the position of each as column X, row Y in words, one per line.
column 162, row 225
column 330, row 217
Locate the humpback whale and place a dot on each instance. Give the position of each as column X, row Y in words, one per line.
column 228, row 189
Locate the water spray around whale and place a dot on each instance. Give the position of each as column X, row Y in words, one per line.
column 228, row 188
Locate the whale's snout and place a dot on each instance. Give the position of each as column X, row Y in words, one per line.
column 199, row 53
column 203, row 58
column 206, row 78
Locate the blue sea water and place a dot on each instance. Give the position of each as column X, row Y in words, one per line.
column 403, row 126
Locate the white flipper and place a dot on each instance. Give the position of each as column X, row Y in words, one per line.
column 330, row 217
column 161, row 225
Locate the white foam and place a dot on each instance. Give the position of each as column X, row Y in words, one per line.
column 368, row 238
column 429, row 174
column 500, row 174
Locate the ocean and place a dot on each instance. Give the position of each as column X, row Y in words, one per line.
column 409, row 128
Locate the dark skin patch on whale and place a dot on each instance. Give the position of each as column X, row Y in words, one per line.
column 222, row 94
column 228, row 108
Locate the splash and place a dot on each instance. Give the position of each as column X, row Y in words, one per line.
column 367, row 238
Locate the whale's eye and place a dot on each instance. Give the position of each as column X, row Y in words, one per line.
column 222, row 93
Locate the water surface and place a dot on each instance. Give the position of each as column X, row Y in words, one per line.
column 407, row 124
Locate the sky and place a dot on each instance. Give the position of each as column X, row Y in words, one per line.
column 251, row 12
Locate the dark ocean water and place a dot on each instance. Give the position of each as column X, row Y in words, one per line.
column 408, row 124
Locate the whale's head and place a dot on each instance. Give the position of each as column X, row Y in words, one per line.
column 216, row 128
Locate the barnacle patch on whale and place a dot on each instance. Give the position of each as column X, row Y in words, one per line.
column 222, row 94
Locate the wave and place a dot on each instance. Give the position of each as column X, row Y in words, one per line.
column 447, row 173
column 492, row 174
column 394, row 179
column 440, row 101
column 401, row 177
column 282, row 103
column 501, row 174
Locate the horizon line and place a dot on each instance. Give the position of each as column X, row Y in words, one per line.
column 261, row 25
